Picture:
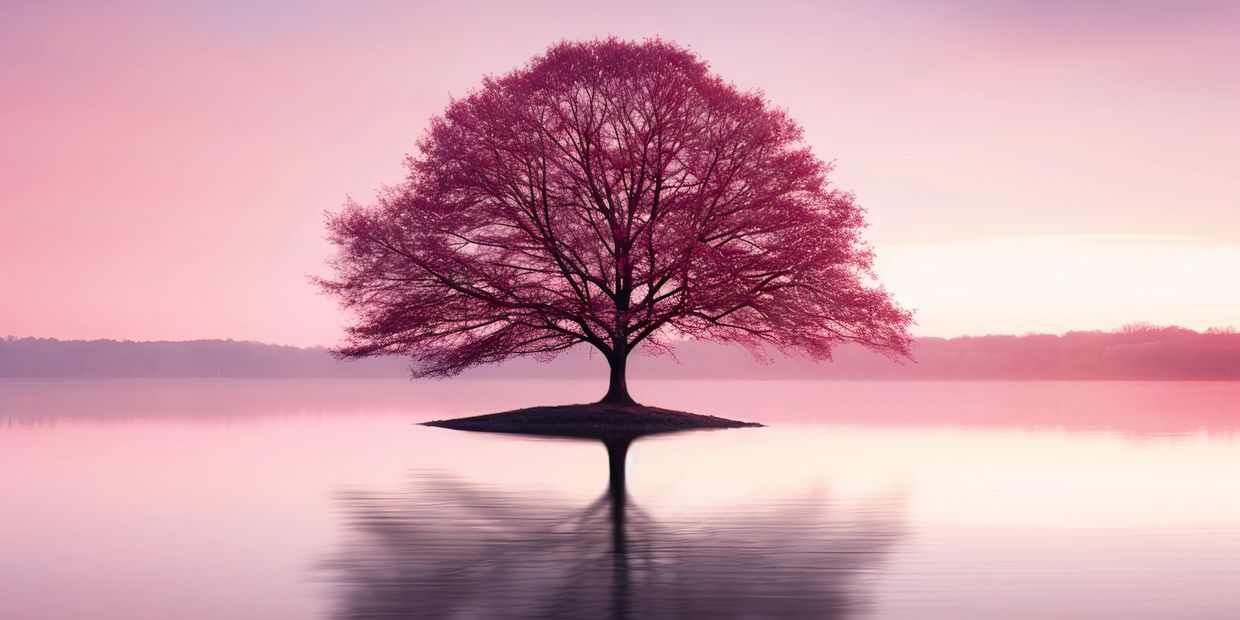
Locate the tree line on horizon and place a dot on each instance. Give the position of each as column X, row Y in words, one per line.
column 1135, row 351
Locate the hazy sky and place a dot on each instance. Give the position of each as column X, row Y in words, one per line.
column 1027, row 166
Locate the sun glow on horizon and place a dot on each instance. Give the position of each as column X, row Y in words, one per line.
column 1062, row 283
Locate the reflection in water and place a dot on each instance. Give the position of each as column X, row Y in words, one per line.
column 171, row 499
column 445, row 548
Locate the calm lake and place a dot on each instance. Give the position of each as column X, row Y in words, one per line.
column 288, row 499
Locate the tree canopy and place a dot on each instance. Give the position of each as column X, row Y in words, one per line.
column 616, row 194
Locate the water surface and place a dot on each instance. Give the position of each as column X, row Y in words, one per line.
column 322, row 499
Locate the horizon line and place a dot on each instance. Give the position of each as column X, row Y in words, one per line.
column 1136, row 326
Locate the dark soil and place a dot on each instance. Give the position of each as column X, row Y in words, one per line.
column 593, row 421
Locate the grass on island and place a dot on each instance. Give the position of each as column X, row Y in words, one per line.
column 593, row 421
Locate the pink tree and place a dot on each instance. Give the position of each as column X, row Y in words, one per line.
column 615, row 194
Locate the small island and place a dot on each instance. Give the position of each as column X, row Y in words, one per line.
column 605, row 421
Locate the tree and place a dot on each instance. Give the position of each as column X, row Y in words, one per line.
column 615, row 194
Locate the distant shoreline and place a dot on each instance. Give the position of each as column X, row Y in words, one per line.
column 1133, row 354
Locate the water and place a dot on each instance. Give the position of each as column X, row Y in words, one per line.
column 322, row 499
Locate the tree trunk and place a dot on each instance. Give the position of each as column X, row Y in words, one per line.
column 618, row 388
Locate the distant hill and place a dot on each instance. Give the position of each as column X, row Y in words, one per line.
column 1133, row 352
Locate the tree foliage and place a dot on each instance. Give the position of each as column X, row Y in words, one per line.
column 616, row 194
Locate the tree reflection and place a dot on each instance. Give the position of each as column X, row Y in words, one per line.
column 445, row 548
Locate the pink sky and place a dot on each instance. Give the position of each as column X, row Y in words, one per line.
column 1028, row 166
